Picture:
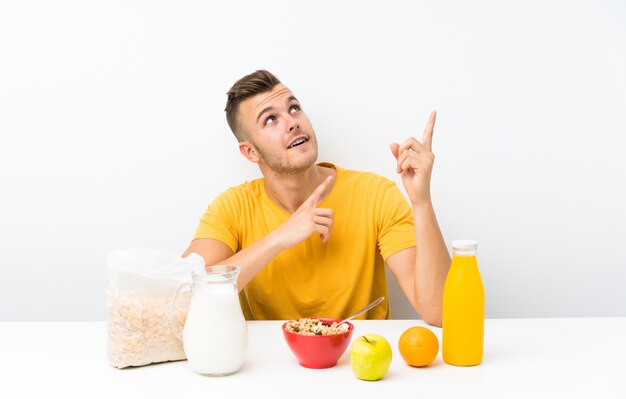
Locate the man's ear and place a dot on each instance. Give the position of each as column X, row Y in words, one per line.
column 247, row 150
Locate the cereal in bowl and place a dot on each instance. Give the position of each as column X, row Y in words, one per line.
column 310, row 326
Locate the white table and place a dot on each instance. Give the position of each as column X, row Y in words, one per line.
column 524, row 358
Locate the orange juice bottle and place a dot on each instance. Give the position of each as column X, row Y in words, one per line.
column 463, row 316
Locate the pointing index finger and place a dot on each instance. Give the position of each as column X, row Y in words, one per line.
column 427, row 139
column 316, row 196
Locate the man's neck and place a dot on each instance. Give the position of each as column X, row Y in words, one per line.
column 290, row 191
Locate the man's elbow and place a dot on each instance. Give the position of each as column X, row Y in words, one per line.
column 433, row 320
column 432, row 316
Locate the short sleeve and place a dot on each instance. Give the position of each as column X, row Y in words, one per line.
column 219, row 221
column 396, row 225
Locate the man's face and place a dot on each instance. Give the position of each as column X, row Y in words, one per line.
column 279, row 131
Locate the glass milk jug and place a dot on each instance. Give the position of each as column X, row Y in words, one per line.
column 215, row 332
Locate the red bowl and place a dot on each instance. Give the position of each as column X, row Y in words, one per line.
column 318, row 351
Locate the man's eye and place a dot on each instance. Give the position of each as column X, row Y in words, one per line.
column 294, row 108
column 270, row 120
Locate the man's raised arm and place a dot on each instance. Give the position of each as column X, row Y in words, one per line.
column 421, row 271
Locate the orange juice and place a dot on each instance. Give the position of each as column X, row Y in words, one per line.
column 463, row 308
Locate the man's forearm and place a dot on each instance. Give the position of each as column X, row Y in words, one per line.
column 254, row 258
column 432, row 262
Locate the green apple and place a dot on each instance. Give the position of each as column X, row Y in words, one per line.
column 370, row 357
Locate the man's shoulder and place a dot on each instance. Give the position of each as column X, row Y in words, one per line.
column 362, row 177
column 249, row 190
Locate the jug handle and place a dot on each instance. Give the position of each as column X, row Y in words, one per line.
column 175, row 329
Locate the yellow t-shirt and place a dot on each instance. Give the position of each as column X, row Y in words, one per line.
column 372, row 221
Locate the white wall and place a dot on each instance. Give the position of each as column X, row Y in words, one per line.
column 114, row 136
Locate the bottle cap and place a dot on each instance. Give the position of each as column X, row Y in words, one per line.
column 465, row 244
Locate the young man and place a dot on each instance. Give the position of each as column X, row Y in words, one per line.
column 312, row 240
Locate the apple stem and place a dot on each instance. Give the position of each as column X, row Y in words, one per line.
column 366, row 340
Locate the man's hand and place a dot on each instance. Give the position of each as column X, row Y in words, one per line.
column 415, row 162
column 308, row 219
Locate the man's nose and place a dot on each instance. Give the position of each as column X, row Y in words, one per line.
column 292, row 124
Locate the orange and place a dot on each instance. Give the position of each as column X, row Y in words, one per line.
column 418, row 346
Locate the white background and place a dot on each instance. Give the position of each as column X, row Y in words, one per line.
column 113, row 134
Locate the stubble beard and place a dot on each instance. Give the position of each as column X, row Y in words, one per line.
column 280, row 167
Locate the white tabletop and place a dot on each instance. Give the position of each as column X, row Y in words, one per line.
column 524, row 358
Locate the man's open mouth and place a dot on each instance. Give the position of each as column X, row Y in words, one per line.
column 298, row 142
